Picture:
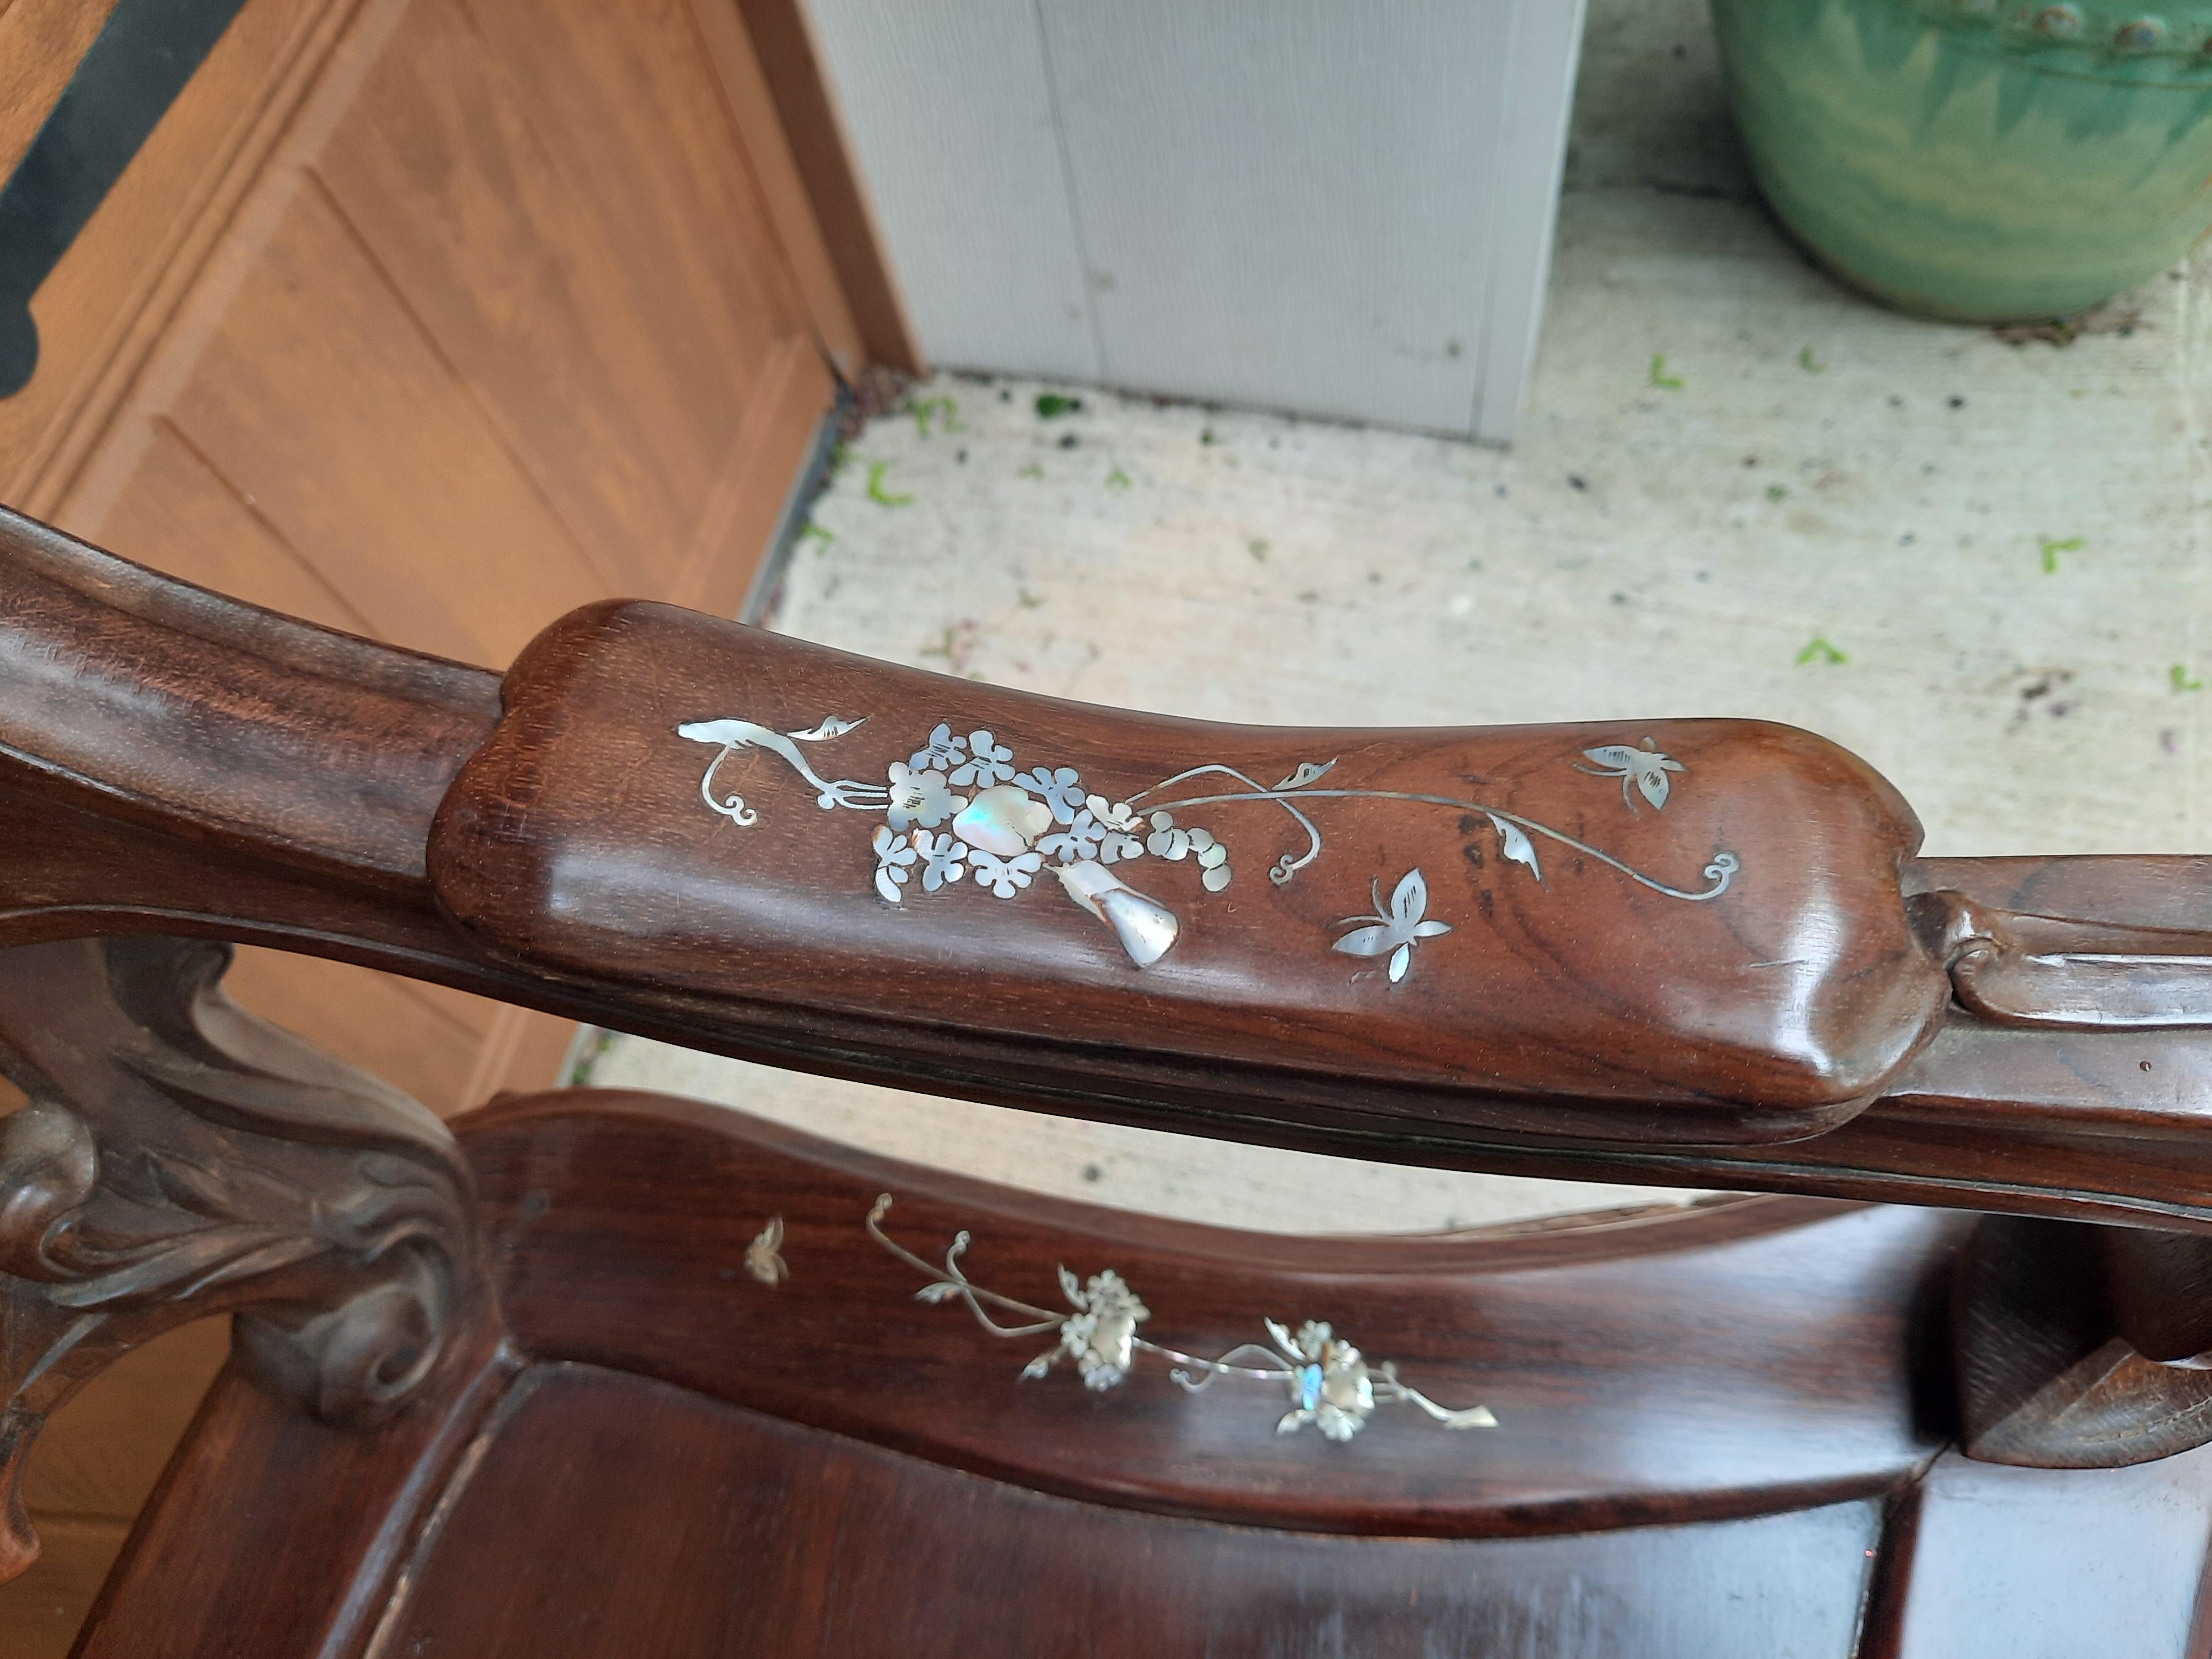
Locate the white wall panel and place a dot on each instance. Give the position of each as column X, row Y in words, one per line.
column 1286, row 203
column 1335, row 207
column 950, row 108
column 1543, row 50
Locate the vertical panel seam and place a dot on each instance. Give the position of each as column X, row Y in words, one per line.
column 522, row 469
column 786, row 265
column 163, row 421
column 1486, row 351
column 1101, row 367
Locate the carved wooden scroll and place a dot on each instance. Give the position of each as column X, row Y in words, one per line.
column 179, row 1158
column 2070, row 974
column 2081, row 1347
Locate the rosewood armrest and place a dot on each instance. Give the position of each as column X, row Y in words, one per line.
column 1672, row 950
column 1675, row 931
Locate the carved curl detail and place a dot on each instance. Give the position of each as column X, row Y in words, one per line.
column 179, row 1158
column 2058, row 972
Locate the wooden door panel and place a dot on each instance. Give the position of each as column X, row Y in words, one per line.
column 321, row 400
column 422, row 1038
column 114, row 293
column 441, row 171
column 773, row 162
column 491, row 340
column 180, row 512
column 475, row 311
column 645, row 138
column 765, row 463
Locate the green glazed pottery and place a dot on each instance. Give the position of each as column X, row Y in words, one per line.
column 1980, row 160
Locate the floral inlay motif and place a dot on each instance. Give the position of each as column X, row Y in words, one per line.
column 1330, row 1382
column 1102, row 1337
column 961, row 807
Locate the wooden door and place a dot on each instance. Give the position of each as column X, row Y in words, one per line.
column 429, row 319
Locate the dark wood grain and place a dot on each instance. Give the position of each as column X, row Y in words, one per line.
column 157, row 700
column 664, row 1523
column 697, row 1406
column 585, row 1510
column 273, row 1531
column 2059, row 1332
column 619, row 1226
column 2160, row 1286
column 577, row 838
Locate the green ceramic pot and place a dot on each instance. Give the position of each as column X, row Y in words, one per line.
column 1979, row 160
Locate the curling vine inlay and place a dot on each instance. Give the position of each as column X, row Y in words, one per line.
column 1330, row 1384
column 959, row 809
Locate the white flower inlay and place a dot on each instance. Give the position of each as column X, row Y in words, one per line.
column 919, row 798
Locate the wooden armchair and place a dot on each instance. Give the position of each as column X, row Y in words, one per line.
column 604, row 1373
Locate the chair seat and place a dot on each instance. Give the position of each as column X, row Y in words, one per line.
column 1708, row 1439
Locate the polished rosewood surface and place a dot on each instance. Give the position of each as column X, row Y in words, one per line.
column 1662, row 931
column 172, row 762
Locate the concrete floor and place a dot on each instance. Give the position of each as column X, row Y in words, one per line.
column 1739, row 490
